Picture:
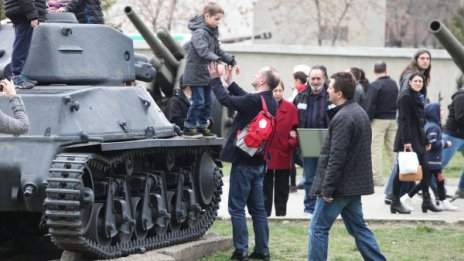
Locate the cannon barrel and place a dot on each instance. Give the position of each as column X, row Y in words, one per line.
column 155, row 44
column 165, row 37
column 449, row 42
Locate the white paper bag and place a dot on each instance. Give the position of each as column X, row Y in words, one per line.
column 408, row 162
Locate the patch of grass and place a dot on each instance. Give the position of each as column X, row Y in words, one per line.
column 398, row 241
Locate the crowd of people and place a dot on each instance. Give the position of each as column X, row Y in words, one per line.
column 362, row 119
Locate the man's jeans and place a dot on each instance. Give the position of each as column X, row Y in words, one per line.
column 21, row 45
column 324, row 216
column 447, row 154
column 200, row 109
column 246, row 189
column 309, row 172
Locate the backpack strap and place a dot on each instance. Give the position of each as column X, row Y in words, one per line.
column 263, row 103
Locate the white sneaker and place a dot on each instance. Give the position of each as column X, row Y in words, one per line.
column 406, row 201
column 307, row 214
column 446, row 205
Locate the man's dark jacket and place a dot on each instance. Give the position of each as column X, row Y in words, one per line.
column 303, row 97
column 25, row 10
column 247, row 105
column 345, row 167
column 455, row 122
column 381, row 99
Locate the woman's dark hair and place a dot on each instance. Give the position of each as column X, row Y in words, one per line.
column 360, row 77
column 300, row 76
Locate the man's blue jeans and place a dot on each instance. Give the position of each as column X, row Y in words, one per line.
column 447, row 154
column 324, row 216
column 200, row 109
column 309, row 172
column 21, row 45
column 246, row 189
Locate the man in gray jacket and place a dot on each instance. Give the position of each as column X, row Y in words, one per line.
column 344, row 173
column 20, row 123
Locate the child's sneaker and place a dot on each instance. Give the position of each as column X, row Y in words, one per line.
column 191, row 133
column 21, row 82
column 207, row 134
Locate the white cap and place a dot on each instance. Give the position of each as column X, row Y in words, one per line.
column 301, row 68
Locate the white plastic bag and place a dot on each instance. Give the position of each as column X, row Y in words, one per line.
column 408, row 162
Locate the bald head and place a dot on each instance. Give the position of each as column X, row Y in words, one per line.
column 380, row 67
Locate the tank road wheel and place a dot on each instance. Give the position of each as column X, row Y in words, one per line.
column 140, row 232
column 205, row 178
column 174, row 225
column 97, row 227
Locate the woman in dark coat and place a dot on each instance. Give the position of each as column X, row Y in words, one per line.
column 283, row 142
column 410, row 136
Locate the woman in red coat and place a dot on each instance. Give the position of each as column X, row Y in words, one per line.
column 281, row 148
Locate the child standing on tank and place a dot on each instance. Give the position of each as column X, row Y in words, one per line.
column 203, row 48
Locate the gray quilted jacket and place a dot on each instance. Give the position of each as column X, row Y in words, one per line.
column 20, row 123
column 203, row 48
column 345, row 167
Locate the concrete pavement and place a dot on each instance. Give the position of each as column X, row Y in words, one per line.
column 374, row 208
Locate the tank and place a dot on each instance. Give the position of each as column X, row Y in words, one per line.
column 101, row 170
column 449, row 42
column 169, row 59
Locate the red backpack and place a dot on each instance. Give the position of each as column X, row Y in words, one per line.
column 255, row 138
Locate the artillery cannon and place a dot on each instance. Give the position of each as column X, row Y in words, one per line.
column 101, row 170
column 449, row 42
column 169, row 60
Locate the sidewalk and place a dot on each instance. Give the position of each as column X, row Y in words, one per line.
column 374, row 207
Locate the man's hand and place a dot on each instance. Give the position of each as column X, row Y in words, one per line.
column 34, row 23
column 8, row 88
column 213, row 70
column 328, row 199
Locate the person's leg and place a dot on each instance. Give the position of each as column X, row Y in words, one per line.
column 378, row 134
column 390, row 141
column 268, row 189
column 309, row 171
column 240, row 186
column 324, row 216
column 257, row 211
column 205, row 112
column 461, row 180
column 356, row 226
column 198, row 102
column 427, row 203
column 21, row 45
column 281, row 191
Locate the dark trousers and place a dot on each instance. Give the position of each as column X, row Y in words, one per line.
column 276, row 180
column 21, row 45
column 440, row 180
column 424, row 183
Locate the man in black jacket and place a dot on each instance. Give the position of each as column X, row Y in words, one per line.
column 344, row 173
column 381, row 108
column 247, row 173
column 454, row 131
column 25, row 15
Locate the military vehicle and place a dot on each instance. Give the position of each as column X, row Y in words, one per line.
column 101, row 170
column 449, row 42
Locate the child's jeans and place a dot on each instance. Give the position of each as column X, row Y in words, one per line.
column 200, row 108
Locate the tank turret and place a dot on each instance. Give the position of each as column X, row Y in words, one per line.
column 449, row 42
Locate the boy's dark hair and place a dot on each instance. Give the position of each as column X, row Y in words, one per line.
column 212, row 8
column 300, row 76
column 345, row 83
column 380, row 67
column 272, row 77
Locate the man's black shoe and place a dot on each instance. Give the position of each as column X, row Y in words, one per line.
column 239, row 256
column 262, row 256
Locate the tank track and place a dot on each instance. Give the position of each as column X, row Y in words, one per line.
column 63, row 212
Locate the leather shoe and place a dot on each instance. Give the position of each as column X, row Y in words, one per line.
column 262, row 256
column 239, row 256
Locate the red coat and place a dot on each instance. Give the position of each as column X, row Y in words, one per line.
column 282, row 144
